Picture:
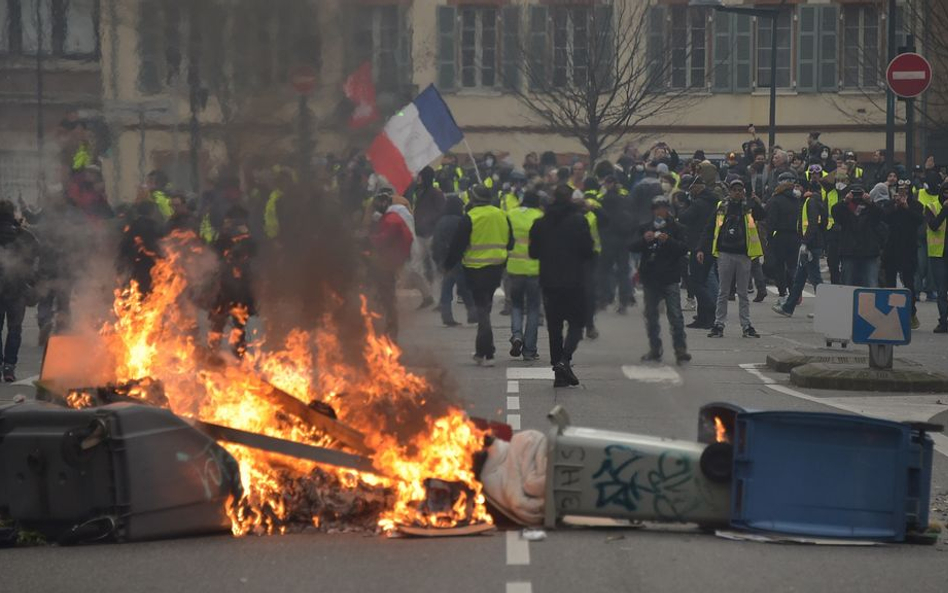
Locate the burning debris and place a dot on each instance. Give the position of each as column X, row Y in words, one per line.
column 305, row 392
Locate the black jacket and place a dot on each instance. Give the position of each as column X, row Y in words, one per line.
column 783, row 213
column 561, row 240
column 903, row 226
column 620, row 230
column 661, row 261
column 859, row 235
column 19, row 254
column 816, row 222
column 445, row 229
column 695, row 217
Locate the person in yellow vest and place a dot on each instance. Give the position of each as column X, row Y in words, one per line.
column 840, row 181
column 810, row 224
column 936, row 216
column 595, row 217
column 449, row 177
column 524, row 280
column 480, row 244
column 157, row 183
column 733, row 238
column 925, row 276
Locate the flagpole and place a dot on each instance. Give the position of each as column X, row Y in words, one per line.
column 473, row 160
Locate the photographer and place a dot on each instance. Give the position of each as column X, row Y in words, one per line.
column 859, row 240
column 904, row 217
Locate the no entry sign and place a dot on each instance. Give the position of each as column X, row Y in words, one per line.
column 909, row 75
column 303, row 79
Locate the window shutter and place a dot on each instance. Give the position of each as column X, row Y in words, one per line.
column 655, row 50
column 150, row 47
column 829, row 50
column 403, row 55
column 743, row 53
column 723, row 49
column 538, row 54
column 511, row 52
column 447, row 50
column 603, row 49
column 807, row 50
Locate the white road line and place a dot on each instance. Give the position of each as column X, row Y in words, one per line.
column 518, row 549
column 519, row 588
column 513, row 402
column 841, row 403
column 513, row 386
column 28, row 382
column 652, row 374
column 521, row 373
column 514, row 421
column 763, row 378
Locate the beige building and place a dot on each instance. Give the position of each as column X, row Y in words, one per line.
column 164, row 72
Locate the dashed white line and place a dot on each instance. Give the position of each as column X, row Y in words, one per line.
column 513, row 402
column 652, row 374
column 519, row 588
column 514, row 421
column 521, row 373
column 513, row 386
column 518, row 549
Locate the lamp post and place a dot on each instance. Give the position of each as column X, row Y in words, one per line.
column 773, row 14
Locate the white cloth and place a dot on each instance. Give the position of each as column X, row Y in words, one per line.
column 514, row 476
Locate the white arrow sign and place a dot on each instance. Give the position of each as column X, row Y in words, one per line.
column 887, row 326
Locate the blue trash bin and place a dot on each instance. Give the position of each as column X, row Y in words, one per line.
column 830, row 475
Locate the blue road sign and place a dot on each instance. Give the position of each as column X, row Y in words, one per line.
column 882, row 316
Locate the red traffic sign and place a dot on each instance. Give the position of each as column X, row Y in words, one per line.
column 303, row 79
column 909, row 75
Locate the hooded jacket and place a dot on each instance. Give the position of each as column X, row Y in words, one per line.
column 859, row 234
column 661, row 262
column 783, row 210
column 19, row 252
column 445, row 229
column 429, row 204
column 563, row 243
column 903, row 224
column 695, row 217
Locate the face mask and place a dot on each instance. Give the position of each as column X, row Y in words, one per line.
column 639, row 168
column 376, row 216
column 840, row 186
column 659, row 222
column 797, row 193
column 824, row 155
column 666, row 187
column 489, row 163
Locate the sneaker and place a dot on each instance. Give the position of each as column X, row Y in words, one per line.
column 592, row 333
column 779, row 310
column 516, row 347
column 559, row 375
column 682, row 357
column 479, row 360
column 531, row 357
column 425, row 303
column 488, row 361
column 942, row 328
column 451, row 323
column 505, row 312
column 717, row 331
column 761, row 295
column 732, row 297
column 690, row 305
column 8, row 373
column 750, row 332
column 570, row 375
column 652, row 356
column 699, row 325
column 915, row 322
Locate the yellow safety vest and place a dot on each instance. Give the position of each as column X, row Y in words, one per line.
column 490, row 232
column 830, row 198
column 519, row 261
column 754, row 247
column 82, row 158
column 207, row 231
column 509, row 202
column 458, row 175
column 805, row 218
column 591, row 199
column 858, row 172
column 935, row 239
column 271, row 219
column 163, row 202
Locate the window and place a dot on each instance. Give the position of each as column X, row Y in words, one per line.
column 478, row 47
column 764, row 47
column 681, row 34
column 472, row 41
column 733, row 54
column 383, row 37
column 60, row 28
column 817, row 52
column 861, row 47
column 570, row 45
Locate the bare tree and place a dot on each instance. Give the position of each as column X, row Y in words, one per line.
column 593, row 74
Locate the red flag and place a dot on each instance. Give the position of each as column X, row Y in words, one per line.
column 360, row 89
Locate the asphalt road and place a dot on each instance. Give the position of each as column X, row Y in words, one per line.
column 618, row 394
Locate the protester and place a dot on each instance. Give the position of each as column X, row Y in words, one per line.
column 614, row 260
column 810, row 225
column 783, row 211
column 732, row 237
column 429, row 207
column 524, row 274
column 702, row 274
column 561, row 240
column 662, row 245
column 480, row 244
column 139, row 247
column 391, row 241
column 904, row 217
column 19, row 254
column 860, row 242
column 936, row 215
column 444, row 232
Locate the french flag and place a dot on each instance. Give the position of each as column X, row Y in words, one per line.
column 414, row 137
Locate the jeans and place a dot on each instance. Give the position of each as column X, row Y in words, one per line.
column 451, row 279
column 564, row 305
column 614, row 272
column 704, row 285
column 733, row 267
column 483, row 283
column 12, row 311
column 832, row 255
column 925, row 274
column 902, row 266
column 671, row 295
column 525, row 293
column 861, row 271
column 807, row 269
column 757, row 274
column 939, row 269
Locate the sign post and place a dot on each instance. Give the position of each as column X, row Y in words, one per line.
column 908, row 76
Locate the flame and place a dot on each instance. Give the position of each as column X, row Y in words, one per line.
column 154, row 337
column 720, row 432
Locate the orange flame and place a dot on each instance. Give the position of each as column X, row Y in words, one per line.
column 155, row 336
column 720, row 431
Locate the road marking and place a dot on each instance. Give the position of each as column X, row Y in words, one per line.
column 28, row 382
column 522, row 373
column 842, row 403
column 752, row 369
column 513, row 402
column 514, row 421
column 518, row 549
column 652, row 374
column 513, row 386
column 519, row 588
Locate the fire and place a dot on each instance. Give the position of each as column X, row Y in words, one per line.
column 414, row 438
column 720, row 432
